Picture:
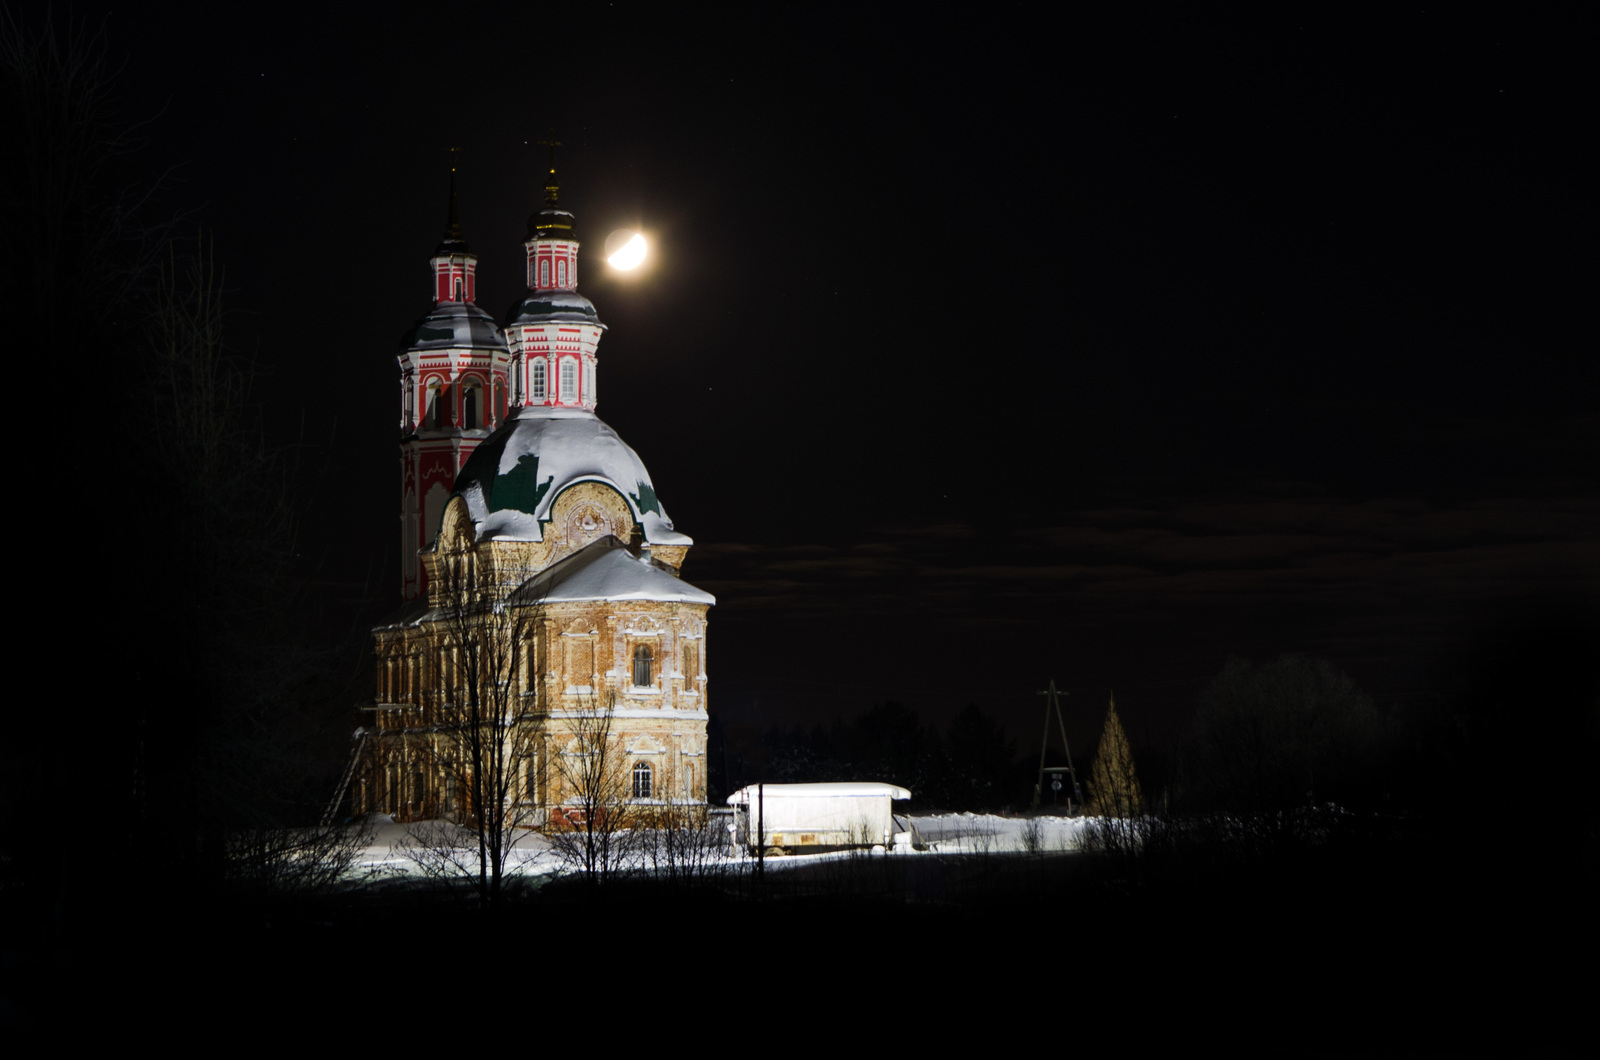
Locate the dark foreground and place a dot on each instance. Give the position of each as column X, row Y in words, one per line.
column 1427, row 949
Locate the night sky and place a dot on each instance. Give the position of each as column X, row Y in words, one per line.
column 975, row 350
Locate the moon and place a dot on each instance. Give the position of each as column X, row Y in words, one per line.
column 631, row 254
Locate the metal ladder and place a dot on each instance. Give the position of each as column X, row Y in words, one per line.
column 344, row 782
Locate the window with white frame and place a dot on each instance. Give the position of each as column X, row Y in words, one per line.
column 569, row 379
column 538, row 387
column 561, row 273
column 641, row 780
column 642, row 665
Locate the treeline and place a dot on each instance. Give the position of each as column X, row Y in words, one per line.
column 971, row 765
column 178, row 701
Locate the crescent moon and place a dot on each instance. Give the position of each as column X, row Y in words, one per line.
column 631, row 254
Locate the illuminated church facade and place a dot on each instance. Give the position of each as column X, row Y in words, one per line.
column 517, row 500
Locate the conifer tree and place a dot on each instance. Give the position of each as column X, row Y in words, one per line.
column 1113, row 782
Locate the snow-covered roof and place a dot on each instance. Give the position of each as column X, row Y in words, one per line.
column 538, row 307
column 454, row 325
column 606, row 570
column 511, row 480
column 852, row 789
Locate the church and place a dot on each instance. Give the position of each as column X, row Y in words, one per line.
column 539, row 569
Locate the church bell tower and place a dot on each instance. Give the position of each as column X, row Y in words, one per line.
column 453, row 392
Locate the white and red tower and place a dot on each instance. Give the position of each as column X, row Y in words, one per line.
column 553, row 332
column 454, row 383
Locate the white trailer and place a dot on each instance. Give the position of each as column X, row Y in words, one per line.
column 800, row 816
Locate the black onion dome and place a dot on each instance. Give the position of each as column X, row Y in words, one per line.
column 552, row 222
column 452, row 248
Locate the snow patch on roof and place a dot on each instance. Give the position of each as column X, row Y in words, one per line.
column 454, row 325
column 553, row 305
column 513, row 478
column 606, row 570
column 836, row 790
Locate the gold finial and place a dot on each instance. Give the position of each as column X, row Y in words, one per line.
column 552, row 187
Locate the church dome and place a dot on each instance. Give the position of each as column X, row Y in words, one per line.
column 454, row 326
column 545, row 305
column 512, row 479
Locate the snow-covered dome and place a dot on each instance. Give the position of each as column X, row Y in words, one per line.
column 514, row 476
column 539, row 306
column 454, row 325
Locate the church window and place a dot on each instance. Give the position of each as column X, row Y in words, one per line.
column 538, row 392
column 561, row 273
column 470, row 412
column 544, row 273
column 641, row 666
column 641, row 780
column 569, row 380
column 435, row 409
column 530, row 780
column 458, row 297
column 588, row 381
column 691, row 665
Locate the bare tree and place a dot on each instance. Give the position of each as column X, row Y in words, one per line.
column 1274, row 742
column 481, row 741
column 294, row 860
column 596, row 831
column 683, row 843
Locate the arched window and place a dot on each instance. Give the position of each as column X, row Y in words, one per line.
column 561, row 273
column 569, row 380
column 537, row 389
column 435, row 411
column 641, row 666
column 544, row 273
column 469, row 407
column 641, row 780
column 588, row 381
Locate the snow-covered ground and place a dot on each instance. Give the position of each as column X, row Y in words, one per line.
column 392, row 852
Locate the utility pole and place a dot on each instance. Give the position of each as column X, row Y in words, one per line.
column 1053, row 704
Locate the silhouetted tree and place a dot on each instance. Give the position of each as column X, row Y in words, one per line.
column 483, row 740
column 594, row 789
column 980, row 761
column 1280, row 737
